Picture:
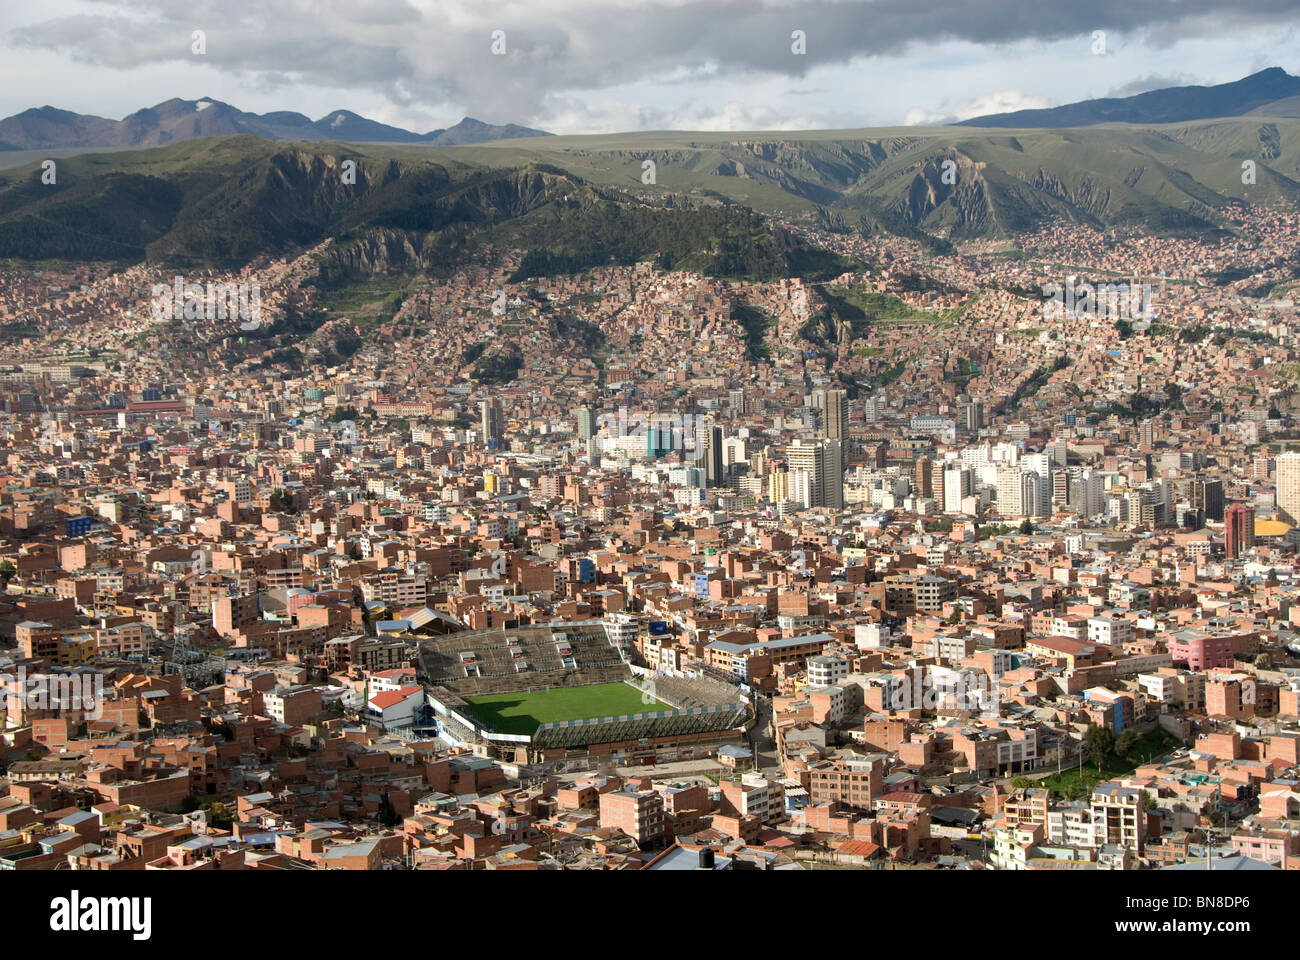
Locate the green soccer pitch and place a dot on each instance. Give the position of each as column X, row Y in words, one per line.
column 522, row 712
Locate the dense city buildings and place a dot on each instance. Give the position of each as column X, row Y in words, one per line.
column 617, row 616
column 539, row 523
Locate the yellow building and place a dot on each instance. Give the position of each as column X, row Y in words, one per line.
column 77, row 650
column 1266, row 527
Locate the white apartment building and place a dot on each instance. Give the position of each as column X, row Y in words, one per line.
column 826, row 671
column 621, row 629
column 1118, row 817
column 1160, row 687
column 1071, row 824
column 1110, row 631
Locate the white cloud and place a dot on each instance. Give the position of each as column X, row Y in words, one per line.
column 1003, row 101
column 599, row 65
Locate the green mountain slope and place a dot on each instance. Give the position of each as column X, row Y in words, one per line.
column 224, row 202
column 1169, row 178
column 572, row 202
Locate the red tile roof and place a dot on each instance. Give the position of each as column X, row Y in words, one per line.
column 390, row 698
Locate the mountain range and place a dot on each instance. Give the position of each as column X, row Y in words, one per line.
column 1269, row 93
column 568, row 202
column 224, row 201
column 174, row 121
column 571, row 202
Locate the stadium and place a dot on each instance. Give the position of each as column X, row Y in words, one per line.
column 564, row 694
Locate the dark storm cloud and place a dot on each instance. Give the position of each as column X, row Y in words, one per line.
column 420, row 51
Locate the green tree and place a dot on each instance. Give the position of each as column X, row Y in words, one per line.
column 1099, row 744
column 1126, row 742
column 281, row 502
column 7, row 571
column 219, row 815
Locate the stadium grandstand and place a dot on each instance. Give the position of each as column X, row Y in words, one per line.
column 562, row 692
column 519, row 659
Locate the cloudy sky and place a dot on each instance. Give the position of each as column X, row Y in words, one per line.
column 573, row 66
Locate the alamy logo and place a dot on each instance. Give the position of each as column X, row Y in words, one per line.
column 347, row 431
column 1117, row 301
column 179, row 300
column 54, row 691
column 77, row 914
column 930, row 692
column 662, row 434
